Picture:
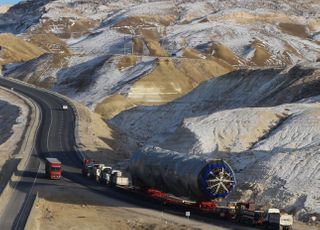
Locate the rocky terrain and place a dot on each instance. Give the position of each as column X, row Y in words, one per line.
column 234, row 79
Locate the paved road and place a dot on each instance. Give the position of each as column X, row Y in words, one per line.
column 55, row 138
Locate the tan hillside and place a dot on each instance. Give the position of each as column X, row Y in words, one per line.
column 261, row 54
column 14, row 49
column 170, row 80
column 113, row 105
column 252, row 17
column 4, row 9
column 126, row 61
column 69, row 28
column 226, row 54
column 152, row 38
column 49, row 42
column 294, row 29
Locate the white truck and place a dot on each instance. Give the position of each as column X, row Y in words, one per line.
column 286, row 221
column 97, row 171
column 118, row 179
column 276, row 220
column 105, row 176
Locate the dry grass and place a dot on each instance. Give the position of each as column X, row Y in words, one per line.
column 49, row 42
column 247, row 17
column 294, row 29
column 261, row 55
column 126, row 61
column 170, row 80
column 138, row 44
column 224, row 53
column 113, row 105
column 191, row 53
column 152, row 38
column 14, row 49
column 69, row 28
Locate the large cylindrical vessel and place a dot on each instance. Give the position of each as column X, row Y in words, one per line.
column 193, row 176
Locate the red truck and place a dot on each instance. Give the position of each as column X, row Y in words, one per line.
column 53, row 168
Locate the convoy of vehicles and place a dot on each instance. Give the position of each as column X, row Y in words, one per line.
column 53, row 168
column 242, row 212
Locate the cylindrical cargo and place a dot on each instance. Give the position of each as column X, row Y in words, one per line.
column 193, row 176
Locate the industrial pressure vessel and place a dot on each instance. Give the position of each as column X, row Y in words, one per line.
column 193, row 176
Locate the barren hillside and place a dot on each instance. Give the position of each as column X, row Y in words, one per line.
column 4, row 8
column 234, row 79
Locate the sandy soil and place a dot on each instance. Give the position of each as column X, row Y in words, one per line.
column 13, row 116
column 70, row 207
column 49, row 215
column 76, row 207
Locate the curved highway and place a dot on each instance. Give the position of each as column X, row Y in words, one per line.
column 55, row 138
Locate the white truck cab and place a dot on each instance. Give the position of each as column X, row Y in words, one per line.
column 277, row 220
column 97, row 171
column 118, row 179
column 106, row 175
column 286, row 221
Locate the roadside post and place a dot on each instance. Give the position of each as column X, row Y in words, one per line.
column 188, row 215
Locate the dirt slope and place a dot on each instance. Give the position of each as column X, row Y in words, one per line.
column 14, row 49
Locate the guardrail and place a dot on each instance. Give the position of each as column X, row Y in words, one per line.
column 27, row 147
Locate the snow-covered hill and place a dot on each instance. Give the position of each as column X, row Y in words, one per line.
column 264, row 122
column 237, row 79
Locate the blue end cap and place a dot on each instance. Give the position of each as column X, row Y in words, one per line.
column 205, row 176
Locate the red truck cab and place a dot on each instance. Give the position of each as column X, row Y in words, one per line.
column 53, row 168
